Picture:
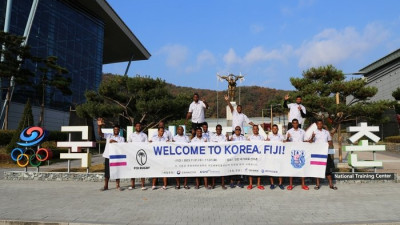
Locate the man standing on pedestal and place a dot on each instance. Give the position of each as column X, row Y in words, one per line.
column 238, row 118
column 296, row 111
column 197, row 111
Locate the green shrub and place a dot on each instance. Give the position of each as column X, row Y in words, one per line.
column 393, row 139
column 6, row 136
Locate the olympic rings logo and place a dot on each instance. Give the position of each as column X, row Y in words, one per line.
column 25, row 156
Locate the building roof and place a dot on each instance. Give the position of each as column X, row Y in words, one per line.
column 120, row 44
column 381, row 62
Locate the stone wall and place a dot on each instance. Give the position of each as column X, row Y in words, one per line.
column 53, row 176
column 99, row 177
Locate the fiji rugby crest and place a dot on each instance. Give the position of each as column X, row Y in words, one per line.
column 298, row 158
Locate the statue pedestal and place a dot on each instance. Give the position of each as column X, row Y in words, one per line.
column 229, row 114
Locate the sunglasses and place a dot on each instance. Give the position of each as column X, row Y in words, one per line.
column 237, row 129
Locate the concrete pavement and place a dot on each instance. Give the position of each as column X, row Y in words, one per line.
column 81, row 202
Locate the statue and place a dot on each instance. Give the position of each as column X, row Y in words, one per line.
column 231, row 83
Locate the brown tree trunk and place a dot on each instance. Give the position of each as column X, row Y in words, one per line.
column 7, row 108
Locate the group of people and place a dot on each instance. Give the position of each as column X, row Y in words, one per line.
column 200, row 133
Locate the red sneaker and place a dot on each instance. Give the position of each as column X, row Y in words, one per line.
column 304, row 187
column 249, row 187
column 290, row 187
column 261, row 187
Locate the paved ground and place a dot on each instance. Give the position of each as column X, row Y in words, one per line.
column 81, row 202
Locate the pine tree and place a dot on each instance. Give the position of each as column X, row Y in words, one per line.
column 327, row 94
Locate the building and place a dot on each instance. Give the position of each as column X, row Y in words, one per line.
column 384, row 75
column 83, row 35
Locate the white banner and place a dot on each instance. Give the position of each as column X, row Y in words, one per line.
column 171, row 159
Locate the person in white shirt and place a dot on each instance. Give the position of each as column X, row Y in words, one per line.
column 206, row 133
column 218, row 137
column 255, row 137
column 199, row 136
column 197, row 111
column 180, row 137
column 200, row 139
column 296, row 134
column 167, row 133
column 137, row 136
column 238, row 118
column 322, row 135
column 237, row 136
column 296, row 110
column 275, row 136
column 159, row 138
column 110, row 138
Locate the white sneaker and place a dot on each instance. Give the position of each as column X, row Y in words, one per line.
column 131, row 188
column 153, row 188
column 164, row 188
column 144, row 188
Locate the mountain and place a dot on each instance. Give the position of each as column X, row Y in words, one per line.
column 252, row 98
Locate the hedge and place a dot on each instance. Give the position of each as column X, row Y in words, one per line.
column 5, row 136
column 393, row 139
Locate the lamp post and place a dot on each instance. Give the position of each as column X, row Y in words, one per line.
column 272, row 117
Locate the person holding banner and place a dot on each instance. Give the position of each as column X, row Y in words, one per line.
column 110, row 138
column 197, row 111
column 218, row 137
column 137, row 136
column 181, row 138
column 192, row 133
column 255, row 137
column 296, row 134
column 206, row 133
column 322, row 135
column 237, row 136
column 296, row 111
column 275, row 136
column 157, row 138
column 200, row 139
column 167, row 133
column 238, row 118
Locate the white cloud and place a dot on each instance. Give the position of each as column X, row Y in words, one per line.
column 256, row 28
column 175, row 54
column 259, row 54
column 204, row 58
column 256, row 55
column 231, row 58
column 292, row 9
column 333, row 46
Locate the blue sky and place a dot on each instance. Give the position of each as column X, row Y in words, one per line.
column 267, row 41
